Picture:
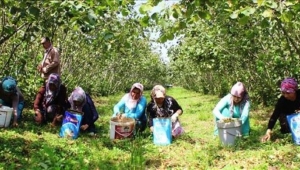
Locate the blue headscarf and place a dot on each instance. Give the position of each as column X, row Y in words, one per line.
column 9, row 84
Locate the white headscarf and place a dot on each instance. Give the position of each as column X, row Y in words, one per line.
column 131, row 103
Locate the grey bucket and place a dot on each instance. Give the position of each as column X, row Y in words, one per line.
column 229, row 131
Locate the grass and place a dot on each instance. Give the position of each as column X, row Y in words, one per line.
column 39, row 147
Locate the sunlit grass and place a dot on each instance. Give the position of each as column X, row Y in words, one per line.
column 39, row 147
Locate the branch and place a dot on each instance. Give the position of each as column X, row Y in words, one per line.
column 5, row 38
column 287, row 35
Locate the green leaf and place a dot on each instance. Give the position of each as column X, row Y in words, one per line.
column 204, row 15
column 286, row 17
column 244, row 20
column 34, row 11
column 14, row 10
column 145, row 8
column 108, row 35
column 92, row 16
column 234, row 15
column 268, row 13
column 125, row 12
column 264, row 23
column 260, row 2
column 273, row 5
column 175, row 14
column 163, row 38
column 144, row 21
column 248, row 11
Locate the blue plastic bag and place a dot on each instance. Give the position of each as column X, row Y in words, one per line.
column 162, row 131
column 294, row 124
column 71, row 124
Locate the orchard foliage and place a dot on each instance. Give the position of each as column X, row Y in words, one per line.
column 255, row 42
column 103, row 46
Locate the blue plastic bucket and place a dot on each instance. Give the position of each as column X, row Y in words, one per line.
column 294, row 124
column 71, row 124
column 162, row 131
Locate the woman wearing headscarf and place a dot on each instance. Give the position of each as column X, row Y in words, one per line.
column 236, row 104
column 78, row 101
column 50, row 101
column 162, row 105
column 133, row 105
column 287, row 104
column 11, row 96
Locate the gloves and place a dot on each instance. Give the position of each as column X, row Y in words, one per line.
column 174, row 117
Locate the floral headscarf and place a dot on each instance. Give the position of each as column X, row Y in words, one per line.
column 158, row 91
column 289, row 85
column 51, row 95
column 77, row 95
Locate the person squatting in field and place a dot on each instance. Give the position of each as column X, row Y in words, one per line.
column 51, row 101
column 236, row 104
column 164, row 106
column 81, row 102
column 287, row 104
column 11, row 96
column 133, row 105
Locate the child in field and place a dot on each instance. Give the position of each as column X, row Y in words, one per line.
column 234, row 105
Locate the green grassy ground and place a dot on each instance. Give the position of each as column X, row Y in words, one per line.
column 39, row 147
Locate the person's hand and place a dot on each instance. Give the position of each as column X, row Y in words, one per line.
column 120, row 115
column 59, row 118
column 44, row 70
column 84, row 127
column 15, row 123
column 267, row 136
column 151, row 128
column 38, row 117
column 174, row 117
column 39, row 67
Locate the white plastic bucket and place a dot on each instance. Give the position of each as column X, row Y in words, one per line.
column 121, row 128
column 228, row 131
column 162, row 131
column 5, row 116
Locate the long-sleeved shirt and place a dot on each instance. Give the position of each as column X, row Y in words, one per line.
column 51, row 62
column 12, row 100
column 60, row 100
column 283, row 108
column 169, row 107
column 137, row 113
column 239, row 111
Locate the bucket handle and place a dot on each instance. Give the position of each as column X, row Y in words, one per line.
column 237, row 135
column 124, row 135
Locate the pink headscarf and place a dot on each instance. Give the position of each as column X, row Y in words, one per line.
column 239, row 90
column 77, row 95
column 131, row 103
column 289, row 85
